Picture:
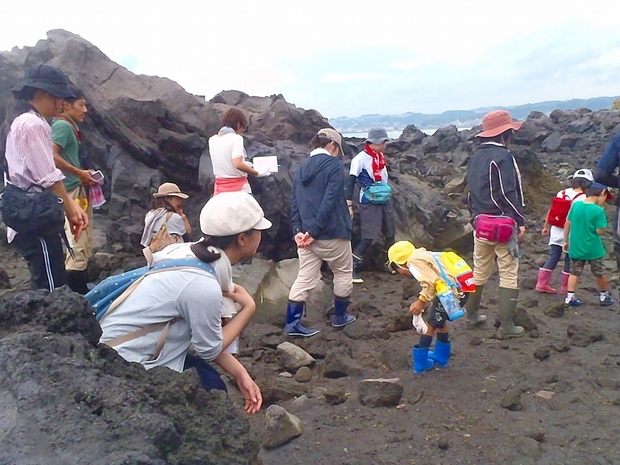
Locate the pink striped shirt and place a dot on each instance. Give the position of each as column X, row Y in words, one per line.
column 29, row 155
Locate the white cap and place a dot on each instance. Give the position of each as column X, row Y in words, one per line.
column 583, row 173
column 232, row 213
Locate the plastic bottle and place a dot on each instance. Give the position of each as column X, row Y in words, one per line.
column 449, row 301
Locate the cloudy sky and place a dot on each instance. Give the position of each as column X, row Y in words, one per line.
column 348, row 58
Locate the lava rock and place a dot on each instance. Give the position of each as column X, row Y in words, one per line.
column 542, row 353
column 280, row 427
column 583, row 336
column 512, row 400
column 380, row 392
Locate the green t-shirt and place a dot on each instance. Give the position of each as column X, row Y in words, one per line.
column 584, row 243
column 64, row 135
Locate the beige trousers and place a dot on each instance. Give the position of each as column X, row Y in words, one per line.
column 337, row 254
column 485, row 255
column 82, row 249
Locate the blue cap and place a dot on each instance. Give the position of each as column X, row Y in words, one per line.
column 598, row 185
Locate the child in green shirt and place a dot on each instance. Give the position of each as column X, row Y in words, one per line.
column 585, row 224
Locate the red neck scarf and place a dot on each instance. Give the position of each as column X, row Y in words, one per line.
column 378, row 162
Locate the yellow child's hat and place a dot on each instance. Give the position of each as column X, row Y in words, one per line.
column 400, row 252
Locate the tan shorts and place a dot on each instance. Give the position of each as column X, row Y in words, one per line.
column 82, row 249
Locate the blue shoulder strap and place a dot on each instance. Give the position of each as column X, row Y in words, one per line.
column 448, row 281
column 180, row 262
column 110, row 289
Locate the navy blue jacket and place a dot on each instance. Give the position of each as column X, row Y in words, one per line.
column 604, row 172
column 318, row 205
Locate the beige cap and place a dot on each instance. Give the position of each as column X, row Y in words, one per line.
column 169, row 189
column 332, row 135
column 231, row 213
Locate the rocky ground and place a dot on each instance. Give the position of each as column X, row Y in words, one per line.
column 551, row 397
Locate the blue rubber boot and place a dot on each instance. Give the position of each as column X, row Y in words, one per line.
column 421, row 363
column 341, row 317
column 441, row 355
column 294, row 312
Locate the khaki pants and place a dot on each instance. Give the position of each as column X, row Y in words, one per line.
column 82, row 249
column 337, row 254
column 485, row 255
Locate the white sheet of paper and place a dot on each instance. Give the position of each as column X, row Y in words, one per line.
column 262, row 164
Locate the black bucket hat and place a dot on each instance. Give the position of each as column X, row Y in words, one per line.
column 47, row 78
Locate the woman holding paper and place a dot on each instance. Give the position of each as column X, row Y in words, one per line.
column 228, row 156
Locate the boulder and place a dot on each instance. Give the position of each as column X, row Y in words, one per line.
column 380, row 392
column 292, row 357
column 63, row 399
column 280, row 427
column 269, row 283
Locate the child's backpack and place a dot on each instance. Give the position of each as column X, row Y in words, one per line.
column 112, row 291
column 457, row 267
column 560, row 206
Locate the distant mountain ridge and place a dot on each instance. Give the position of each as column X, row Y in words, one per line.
column 461, row 118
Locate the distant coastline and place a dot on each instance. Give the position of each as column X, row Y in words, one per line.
column 393, row 134
column 462, row 119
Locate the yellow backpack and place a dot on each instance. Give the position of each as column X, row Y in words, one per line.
column 458, row 267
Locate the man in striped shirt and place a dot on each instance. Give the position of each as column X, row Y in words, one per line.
column 25, row 142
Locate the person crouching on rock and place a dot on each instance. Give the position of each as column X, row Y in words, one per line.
column 433, row 271
column 554, row 228
column 585, row 224
column 191, row 300
column 321, row 225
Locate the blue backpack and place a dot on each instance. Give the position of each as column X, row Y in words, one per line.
column 112, row 291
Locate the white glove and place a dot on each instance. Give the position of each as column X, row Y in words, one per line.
column 419, row 324
column 264, row 174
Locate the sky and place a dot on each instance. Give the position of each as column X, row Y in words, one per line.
column 349, row 58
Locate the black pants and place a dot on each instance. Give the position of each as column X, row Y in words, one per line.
column 209, row 377
column 45, row 257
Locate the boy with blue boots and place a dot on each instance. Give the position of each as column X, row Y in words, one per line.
column 438, row 274
column 585, row 224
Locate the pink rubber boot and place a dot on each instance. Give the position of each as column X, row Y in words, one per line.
column 544, row 276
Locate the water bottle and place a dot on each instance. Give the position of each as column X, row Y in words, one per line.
column 448, row 300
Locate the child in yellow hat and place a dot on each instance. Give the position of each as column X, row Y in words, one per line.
column 438, row 273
